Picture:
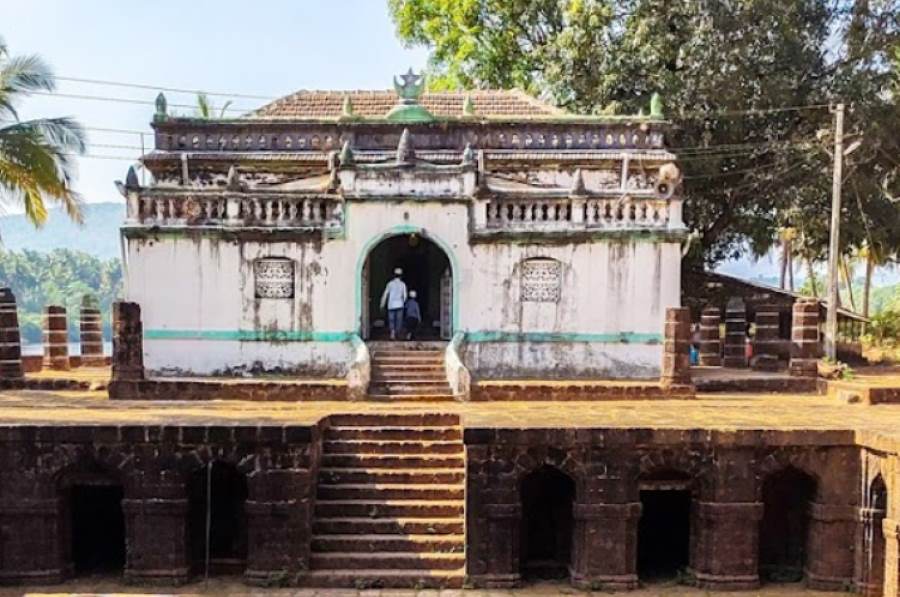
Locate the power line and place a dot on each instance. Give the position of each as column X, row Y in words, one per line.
column 128, row 100
column 121, row 131
column 161, row 88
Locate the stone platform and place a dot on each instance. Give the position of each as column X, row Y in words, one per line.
column 331, row 481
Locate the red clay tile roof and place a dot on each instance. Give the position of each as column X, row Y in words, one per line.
column 376, row 104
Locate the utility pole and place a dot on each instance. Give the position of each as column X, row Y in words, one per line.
column 834, row 244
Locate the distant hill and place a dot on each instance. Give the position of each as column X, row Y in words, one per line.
column 98, row 237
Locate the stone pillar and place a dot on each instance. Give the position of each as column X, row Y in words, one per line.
column 805, row 338
column 128, row 342
column 765, row 350
column 501, row 531
column 676, row 364
column 10, row 340
column 735, row 334
column 56, row 338
column 719, row 561
column 33, row 553
column 891, row 529
column 604, row 546
column 157, row 536
column 830, row 557
column 91, row 337
column 279, row 526
column 710, row 340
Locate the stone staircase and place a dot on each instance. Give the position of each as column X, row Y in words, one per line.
column 390, row 503
column 409, row 371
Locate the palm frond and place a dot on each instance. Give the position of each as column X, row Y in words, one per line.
column 19, row 76
column 35, row 167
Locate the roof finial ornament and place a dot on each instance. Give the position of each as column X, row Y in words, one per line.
column 405, row 153
column 131, row 179
column 468, row 106
column 234, row 180
column 656, row 106
column 347, row 108
column 578, row 189
column 412, row 87
column 161, row 108
column 346, row 158
column 131, row 183
column 409, row 91
column 468, row 155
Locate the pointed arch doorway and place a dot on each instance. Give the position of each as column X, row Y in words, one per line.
column 427, row 269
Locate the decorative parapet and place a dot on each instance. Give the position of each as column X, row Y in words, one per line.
column 517, row 214
column 181, row 209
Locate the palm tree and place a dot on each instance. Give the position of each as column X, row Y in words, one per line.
column 36, row 156
column 206, row 110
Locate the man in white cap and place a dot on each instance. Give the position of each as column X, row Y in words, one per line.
column 394, row 298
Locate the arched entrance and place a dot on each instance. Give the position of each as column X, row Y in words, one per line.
column 548, row 495
column 664, row 530
column 426, row 269
column 784, row 528
column 93, row 525
column 216, row 497
column 873, row 539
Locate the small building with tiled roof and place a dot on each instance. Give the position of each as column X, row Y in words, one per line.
column 539, row 242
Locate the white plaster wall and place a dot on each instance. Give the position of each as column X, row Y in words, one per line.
column 563, row 360
column 205, row 284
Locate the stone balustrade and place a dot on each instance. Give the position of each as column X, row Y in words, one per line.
column 573, row 213
column 276, row 211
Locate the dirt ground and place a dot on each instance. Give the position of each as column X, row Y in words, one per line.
column 234, row 588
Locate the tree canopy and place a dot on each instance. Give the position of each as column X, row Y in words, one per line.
column 36, row 156
column 60, row 277
column 747, row 84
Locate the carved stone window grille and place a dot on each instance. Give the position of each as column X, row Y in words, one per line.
column 274, row 278
column 541, row 280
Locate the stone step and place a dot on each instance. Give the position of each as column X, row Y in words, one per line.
column 396, row 367
column 437, row 376
column 346, row 525
column 392, row 476
column 394, row 433
column 389, row 560
column 385, row 579
column 406, row 349
column 408, row 388
column 412, row 397
column 392, row 461
column 384, row 491
column 432, row 419
column 374, row 543
column 389, row 508
column 406, row 359
column 392, row 447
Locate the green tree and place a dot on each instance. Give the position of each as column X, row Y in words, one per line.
column 36, row 162
column 61, row 277
column 725, row 71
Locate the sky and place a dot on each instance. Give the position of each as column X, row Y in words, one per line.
column 265, row 47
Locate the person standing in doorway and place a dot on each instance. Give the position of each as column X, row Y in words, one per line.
column 413, row 315
column 394, row 298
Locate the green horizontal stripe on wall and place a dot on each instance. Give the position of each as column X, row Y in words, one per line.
column 249, row 335
column 612, row 338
